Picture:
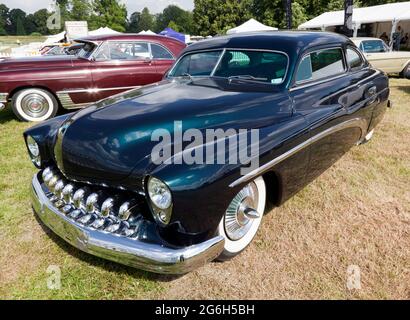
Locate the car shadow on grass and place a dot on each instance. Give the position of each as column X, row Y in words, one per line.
column 103, row 263
column 6, row 116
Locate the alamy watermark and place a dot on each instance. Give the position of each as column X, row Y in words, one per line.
column 353, row 277
column 54, row 20
column 209, row 146
column 54, row 278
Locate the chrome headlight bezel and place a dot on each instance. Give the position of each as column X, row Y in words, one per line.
column 160, row 199
column 34, row 151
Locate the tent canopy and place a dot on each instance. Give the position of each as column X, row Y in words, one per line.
column 55, row 38
column 250, row 25
column 382, row 13
column 102, row 31
column 148, row 32
column 168, row 32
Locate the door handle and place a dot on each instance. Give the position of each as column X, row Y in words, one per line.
column 371, row 94
column 372, row 91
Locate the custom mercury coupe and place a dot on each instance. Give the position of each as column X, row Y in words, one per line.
column 37, row 87
column 309, row 96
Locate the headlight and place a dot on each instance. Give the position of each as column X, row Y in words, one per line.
column 161, row 199
column 34, row 151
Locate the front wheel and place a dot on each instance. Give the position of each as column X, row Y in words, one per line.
column 34, row 105
column 242, row 219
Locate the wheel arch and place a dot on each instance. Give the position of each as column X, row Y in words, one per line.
column 274, row 188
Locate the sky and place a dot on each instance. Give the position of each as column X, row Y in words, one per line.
column 155, row 6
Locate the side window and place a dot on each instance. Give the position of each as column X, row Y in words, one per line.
column 373, row 46
column 159, row 52
column 305, row 70
column 354, row 59
column 123, row 51
column 320, row 64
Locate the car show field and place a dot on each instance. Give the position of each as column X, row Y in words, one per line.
column 356, row 215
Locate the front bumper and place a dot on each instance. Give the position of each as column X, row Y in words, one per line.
column 135, row 253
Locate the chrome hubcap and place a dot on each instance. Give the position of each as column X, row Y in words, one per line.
column 241, row 212
column 34, row 105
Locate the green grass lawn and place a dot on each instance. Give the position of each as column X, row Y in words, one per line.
column 357, row 213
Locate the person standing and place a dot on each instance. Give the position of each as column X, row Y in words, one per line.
column 397, row 38
column 384, row 37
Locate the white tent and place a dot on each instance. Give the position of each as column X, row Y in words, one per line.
column 393, row 12
column 148, row 32
column 55, row 38
column 250, row 25
column 102, row 31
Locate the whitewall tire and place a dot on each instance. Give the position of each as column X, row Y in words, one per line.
column 242, row 218
column 34, row 105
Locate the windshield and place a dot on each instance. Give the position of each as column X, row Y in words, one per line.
column 373, row 46
column 247, row 65
column 87, row 50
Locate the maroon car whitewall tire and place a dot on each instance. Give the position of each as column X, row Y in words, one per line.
column 34, row 105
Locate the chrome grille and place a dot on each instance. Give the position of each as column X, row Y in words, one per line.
column 101, row 209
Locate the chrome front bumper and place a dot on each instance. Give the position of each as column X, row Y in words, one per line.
column 135, row 253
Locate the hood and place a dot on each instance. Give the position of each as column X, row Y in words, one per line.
column 106, row 142
column 32, row 63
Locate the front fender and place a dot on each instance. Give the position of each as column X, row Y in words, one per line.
column 45, row 134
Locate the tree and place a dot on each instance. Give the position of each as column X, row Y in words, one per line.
column 4, row 16
column 217, row 16
column 109, row 13
column 20, row 31
column 146, row 21
column 16, row 18
column 174, row 26
column 80, row 10
column 40, row 20
column 181, row 19
column 133, row 23
column 298, row 14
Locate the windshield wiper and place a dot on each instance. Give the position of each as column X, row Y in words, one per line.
column 246, row 77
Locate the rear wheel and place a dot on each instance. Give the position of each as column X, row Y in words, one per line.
column 34, row 105
column 242, row 218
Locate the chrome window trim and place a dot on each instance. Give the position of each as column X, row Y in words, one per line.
column 355, row 122
column 148, row 42
column 223, row 50
column 334, row 78
column 124, row 41
column 162, row 46
column 303, row 82
column 192, row 52
column 355, row 49
column 97, row 47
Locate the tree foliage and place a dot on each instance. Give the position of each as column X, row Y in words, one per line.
column 210, row 17
column 217, row 16
column 110, row 13
column 174, row 16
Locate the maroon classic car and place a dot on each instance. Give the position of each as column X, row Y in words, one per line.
column 106, row 65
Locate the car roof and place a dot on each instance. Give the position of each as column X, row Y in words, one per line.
column 125, row 37
column 287, row 41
